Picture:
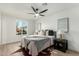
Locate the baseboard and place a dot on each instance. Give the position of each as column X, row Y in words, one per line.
column 9, row 43
column 74, row 50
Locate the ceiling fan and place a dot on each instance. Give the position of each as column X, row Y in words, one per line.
column 37, row 12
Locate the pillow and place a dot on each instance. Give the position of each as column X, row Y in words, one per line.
column 36, row 33
column 50, row 33
column 47, row 32
column 41, row 32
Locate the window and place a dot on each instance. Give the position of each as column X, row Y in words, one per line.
column 21, row 27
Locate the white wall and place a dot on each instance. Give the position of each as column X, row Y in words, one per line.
column 50, row 22
column 0, row 28
column 9, row 28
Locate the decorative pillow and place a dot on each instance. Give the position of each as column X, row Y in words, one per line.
column 41, row 32
column 50, row 33
column 47, row 33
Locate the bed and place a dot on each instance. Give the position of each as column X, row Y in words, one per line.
column 36, row 43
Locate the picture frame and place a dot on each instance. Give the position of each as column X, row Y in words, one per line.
column 63, row 24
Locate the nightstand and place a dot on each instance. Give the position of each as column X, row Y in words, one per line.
column 61, row 45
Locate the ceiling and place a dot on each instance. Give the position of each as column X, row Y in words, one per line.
column 21, row 10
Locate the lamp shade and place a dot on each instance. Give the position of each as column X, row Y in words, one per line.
column 60, row 34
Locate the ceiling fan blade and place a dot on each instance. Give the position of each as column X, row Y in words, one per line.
column 42, row 15
column 33, row 9
column 44, row 11
column 31, row 13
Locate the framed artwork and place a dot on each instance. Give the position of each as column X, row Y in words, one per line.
column 63, row 24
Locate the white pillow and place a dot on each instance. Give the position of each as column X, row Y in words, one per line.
column 41, row 32
column 47, row 32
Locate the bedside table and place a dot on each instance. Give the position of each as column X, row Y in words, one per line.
column 61, row 45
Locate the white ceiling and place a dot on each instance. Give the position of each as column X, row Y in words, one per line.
column 21, row 10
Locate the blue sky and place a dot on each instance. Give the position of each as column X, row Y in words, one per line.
column 21, row 23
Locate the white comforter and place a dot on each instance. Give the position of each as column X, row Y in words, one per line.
column 29, row 42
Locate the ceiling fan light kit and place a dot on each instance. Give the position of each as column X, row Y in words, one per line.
column 36, row 14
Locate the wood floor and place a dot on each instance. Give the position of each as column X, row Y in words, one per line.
column 14, row 49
